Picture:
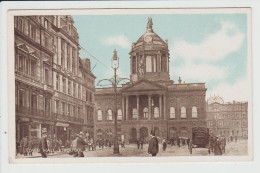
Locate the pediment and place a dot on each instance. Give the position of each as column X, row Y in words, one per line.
column 143, row 85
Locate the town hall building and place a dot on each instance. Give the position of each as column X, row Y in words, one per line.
column 151, row 100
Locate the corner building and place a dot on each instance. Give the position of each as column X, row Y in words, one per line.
column 227, row 118
column 150, row 100
column 54, row 87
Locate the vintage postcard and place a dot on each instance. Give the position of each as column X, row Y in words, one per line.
column 135, row 85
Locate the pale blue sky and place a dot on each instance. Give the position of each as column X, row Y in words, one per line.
column 209, row 48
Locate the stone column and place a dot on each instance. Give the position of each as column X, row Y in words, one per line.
column 126, row 108
column 149, row 107
column 137, row 106
column 160, row 106
column 123, row 107
column 165, row 106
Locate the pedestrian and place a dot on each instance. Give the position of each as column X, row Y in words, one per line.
column 81, row 144
column 30, row 147
column 25, row 146
column 142, row 142
column 188, row 142
column 60, row 145
column 178, row 141
column 235, row 138
column 223, row 144
column 51, row 146
column 123, row 143
column 211, row 144
column 153, row 144
column 138, row 143
column 43, row 147
column 217, row 148
column 74, row 150
column 164, row 144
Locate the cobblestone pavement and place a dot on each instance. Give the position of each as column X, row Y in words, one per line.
column 232, row 149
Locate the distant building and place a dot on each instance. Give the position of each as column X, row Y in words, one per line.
column 227, row 119
column 53, row 85
column 150, row 100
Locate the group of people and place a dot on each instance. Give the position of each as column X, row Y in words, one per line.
column 218, row 145
column 28, row 145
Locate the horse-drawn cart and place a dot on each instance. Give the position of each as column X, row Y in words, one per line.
column 200, row 138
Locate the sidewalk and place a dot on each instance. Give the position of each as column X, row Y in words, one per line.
column 37, row 155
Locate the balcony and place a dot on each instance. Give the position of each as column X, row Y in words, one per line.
column 48, row 88
column 65, row 118
column 34, row 112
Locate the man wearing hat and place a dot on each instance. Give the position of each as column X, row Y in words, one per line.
column 81, row 144
column 43, row 147
column 153, row 144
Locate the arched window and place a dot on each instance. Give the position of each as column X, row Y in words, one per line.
column 172, row 112
column 109, row 113
column 99, row 112
column 145, row 112
column 194, row 112
column 119, row 114
column 156, row 112
column 183, row 112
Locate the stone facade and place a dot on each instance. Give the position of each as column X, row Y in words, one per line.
column 150, row 100
column 54, row 86
column 227, row 119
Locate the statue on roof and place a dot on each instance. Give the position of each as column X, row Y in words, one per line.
column 150, row 24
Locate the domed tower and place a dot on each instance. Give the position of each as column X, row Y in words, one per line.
column 150, row 57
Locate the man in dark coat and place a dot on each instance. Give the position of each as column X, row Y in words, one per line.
column 81, row 144
column 178, row 141
column 153, row 145
column 217, row 148
column 142, row 142
column 138, row 143
column 223, row 144
column 43, row 147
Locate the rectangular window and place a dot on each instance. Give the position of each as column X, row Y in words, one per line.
column 57, row 106
column 79, row 92
column 46, row 77
column 47, row 106
column 69, row 85
column 74, row 89
column 57, row 82
column 33, row 68
column 64, row 85
column 68, row 111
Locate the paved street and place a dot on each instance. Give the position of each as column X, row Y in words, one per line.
column 233, row 148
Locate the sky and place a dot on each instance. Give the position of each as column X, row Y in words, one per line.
column 210, row 48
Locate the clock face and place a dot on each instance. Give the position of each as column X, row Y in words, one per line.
column 148, row 39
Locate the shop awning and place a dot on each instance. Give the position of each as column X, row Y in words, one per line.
column 62, row 124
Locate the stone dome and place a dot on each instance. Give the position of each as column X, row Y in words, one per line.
column 150, row 38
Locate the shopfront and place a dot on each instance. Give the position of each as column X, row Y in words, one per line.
column 62, row 132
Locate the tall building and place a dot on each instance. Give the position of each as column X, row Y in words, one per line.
column 227, row 119
column 150, row 100
column 52, row 83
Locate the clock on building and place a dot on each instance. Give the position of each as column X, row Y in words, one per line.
column 148, row 39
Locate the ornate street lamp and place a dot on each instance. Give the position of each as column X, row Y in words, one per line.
column 115, row 80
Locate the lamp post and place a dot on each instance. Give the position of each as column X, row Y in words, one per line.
column 115, row 80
